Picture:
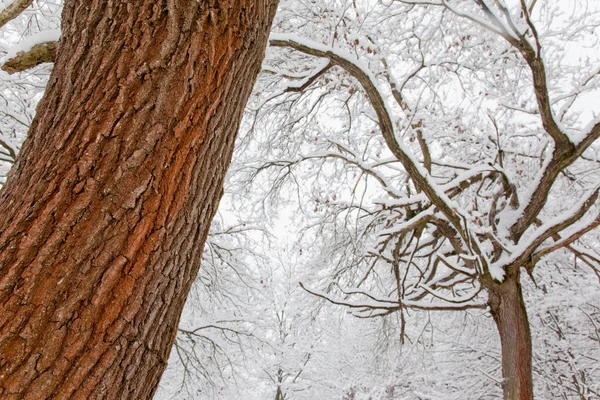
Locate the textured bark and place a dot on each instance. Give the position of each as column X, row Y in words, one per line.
column 106, row 210
column 509, row 312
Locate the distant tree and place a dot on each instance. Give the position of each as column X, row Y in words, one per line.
column 108, row 204
column 445, row 147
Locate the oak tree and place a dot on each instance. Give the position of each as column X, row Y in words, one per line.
column 107, row 207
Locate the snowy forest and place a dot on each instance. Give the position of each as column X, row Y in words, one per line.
column 411, row 209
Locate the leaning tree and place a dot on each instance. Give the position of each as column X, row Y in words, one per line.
column 106, row 209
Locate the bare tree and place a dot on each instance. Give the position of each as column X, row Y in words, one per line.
column 461, row 127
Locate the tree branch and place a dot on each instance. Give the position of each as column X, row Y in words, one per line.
column 13, row 11
column 38, row 54
column 567, row 241
column 386, row 310
column 309, row 80
column 565, row 152
column 7, row 145
column 416, row 172
column 551, row 229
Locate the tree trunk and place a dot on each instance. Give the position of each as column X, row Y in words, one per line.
column 279, row 394
column 508, row 309
column 105, row 213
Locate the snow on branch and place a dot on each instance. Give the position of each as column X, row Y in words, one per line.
column 562, row 157
column 32, row 51
column 523, row 253
column 531, row 53
column 360, row 71
column 574, row 232
column 13, row 10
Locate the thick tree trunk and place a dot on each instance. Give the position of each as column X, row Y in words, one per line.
column 106, row 210
column 509, row 312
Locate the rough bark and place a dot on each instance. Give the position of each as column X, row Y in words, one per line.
column 509, row 313
column 106, row 210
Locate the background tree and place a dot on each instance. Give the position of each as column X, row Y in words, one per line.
column 110, row 200
column 448, row 146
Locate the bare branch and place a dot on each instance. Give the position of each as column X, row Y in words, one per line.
column 382, row 309
column 11, row 151
column 309, row 80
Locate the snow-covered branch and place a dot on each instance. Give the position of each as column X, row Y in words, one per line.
column 522, row 255
column 13, row 10
column 363, row 75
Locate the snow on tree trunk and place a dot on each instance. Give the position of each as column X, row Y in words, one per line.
column 106, row 210
column 509, row 313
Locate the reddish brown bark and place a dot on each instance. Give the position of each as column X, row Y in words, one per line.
column 106, row 210
column 509, row 312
